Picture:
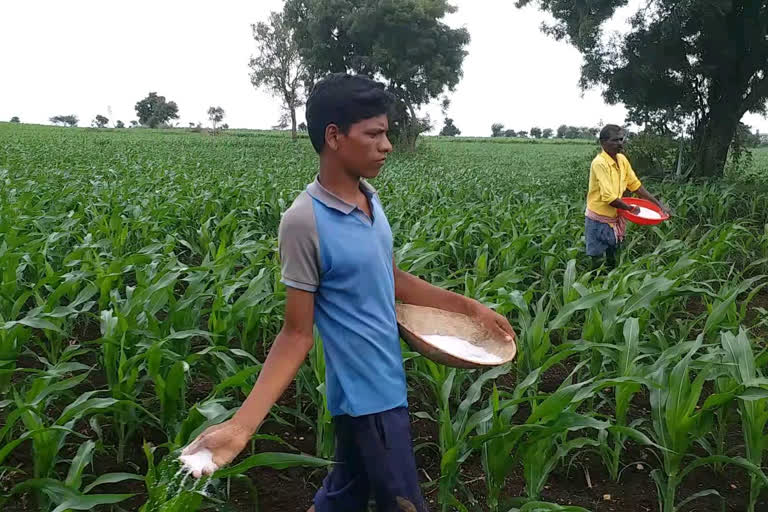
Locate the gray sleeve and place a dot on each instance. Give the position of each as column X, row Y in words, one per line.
column 298, row 245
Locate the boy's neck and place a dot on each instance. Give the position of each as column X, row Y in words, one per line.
column 338, row 181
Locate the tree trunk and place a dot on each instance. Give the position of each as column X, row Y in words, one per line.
column 411, row 129
column 293, row 122
column 714, row 140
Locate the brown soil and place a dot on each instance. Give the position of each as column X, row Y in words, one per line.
column 583, row 481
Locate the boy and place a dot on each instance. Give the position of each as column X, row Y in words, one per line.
column 609, row 177
column 337, row 263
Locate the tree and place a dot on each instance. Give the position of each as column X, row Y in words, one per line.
column 449, row 129
column 302, row 127
column 119, row 124
column 279, row 66
column 547, row 133
column 15, row 119
column 282, row 123
column 510, row 133
column 100, row 121
column 402, row 42
column 536, row 132
column 702, row 65
column 745, row 138
column 154, row 110
column 134, row 123
column 497, row 130
column 216, row 115
column 561, row 130
column 69, row 120
column 522, row 134
column 572, row 132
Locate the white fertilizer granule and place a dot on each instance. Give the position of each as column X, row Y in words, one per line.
column 462, row 349
column 199, row 462
column 649, row 214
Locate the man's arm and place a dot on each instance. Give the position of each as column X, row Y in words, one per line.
column 409, row 289
column 285, row 358
column 621, row 205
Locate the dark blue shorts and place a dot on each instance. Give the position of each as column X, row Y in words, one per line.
column 600, row 237
column 374, row 456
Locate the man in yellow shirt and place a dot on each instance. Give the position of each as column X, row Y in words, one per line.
column 610, row 176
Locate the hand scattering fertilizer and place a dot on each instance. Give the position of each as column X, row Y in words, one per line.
column 198, row 462
column 462, row 349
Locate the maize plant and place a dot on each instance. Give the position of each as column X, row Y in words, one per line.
column 140, row 292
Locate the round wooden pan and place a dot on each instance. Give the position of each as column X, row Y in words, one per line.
column 417, row 321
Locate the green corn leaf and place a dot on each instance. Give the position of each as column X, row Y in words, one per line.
column 580, row 304
column 88, row 502
column 111, row 478
column 272, row 460
column 82, row 459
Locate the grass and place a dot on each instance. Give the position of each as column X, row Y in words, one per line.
column 140, row 291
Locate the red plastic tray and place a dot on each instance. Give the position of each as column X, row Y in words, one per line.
column 645, row 204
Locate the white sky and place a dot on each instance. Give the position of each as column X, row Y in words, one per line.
column 84, row 56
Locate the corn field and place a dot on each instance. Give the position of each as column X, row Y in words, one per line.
column 141, row 290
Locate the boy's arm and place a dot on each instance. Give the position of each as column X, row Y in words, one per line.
column 285, row 358
column 409, row 289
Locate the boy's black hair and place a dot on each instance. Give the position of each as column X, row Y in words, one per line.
column 609, row 131
column 344, row 100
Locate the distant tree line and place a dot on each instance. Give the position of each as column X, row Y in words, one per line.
column 153, row 111
column 562, row 132
column 307, row 40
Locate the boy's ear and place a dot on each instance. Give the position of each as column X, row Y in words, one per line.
column 332, row 134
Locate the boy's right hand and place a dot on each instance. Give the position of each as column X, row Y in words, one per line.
column 225, row 441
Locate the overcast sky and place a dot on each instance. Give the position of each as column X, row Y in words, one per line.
column 88, row 57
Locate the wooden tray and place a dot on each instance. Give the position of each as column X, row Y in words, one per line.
column 417, row 321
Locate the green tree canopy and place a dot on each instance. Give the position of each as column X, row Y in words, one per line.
column 154, row 110
column 701, row 64
column 402, row 42
column 449, row 129
column 215, row 115
column 68, row 120
column 100, row 121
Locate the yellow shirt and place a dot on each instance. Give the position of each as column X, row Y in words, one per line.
column 608, row 181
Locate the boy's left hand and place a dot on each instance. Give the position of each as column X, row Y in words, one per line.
column 493, row 321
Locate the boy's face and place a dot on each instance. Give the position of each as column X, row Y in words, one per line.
column 365, row 147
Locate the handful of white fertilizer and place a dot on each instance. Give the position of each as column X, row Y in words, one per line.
column 462, row 349
column 647, row 213
column 198, row 463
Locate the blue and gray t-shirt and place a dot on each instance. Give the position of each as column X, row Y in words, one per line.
column 333, row 249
